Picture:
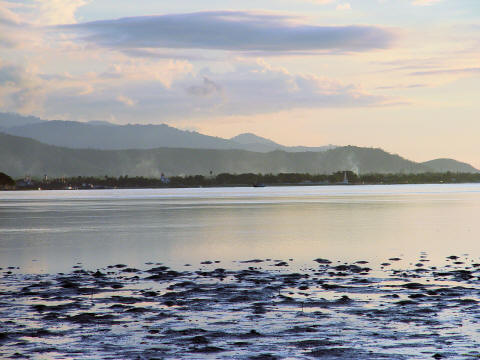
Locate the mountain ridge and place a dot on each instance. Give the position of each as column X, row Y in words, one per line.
column 451, row 165
column 108, row 136
column 20, row 156
column 261, row 144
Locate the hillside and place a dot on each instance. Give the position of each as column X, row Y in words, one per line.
column 252, row 142
column 79, row 135
column 20, row 156
column 449, row 165
column 8, row 120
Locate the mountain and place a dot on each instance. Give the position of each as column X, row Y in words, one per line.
column 20, row 156
column 442, row 165
column 249, row 138
column 100, row 122
column 253, row 142
column 107, row 136
column 79, row 135
column 257, row 143
column 8, row 120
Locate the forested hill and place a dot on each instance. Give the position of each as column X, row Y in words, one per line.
column 20, row 156
column 442, row 165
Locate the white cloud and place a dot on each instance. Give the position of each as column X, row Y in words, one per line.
column 164, row 71
column 126, row 100
column 45, row 12
column 250, row 87
column 20, row 88
column 22, row 23
column 59, row 11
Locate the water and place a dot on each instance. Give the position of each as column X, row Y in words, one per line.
column 402, row 282
column 49, row 231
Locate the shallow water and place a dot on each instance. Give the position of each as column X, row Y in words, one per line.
column 49, row 231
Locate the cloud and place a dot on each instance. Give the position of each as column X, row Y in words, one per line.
column 58, row 11
column 7, row 16
column 58, row 77
column 20, row 88
column 12, row 75
column 345, row 6
column 261, row 88
column 170, row 54
column 425, row 2
column 27, row 100
column 164, row 71
column 22, row 23
column 207, row 88
column 458, row 71
column 401, row 86
column 321, row 2
column 248, row 88
column 41, row 12
column 230, row 30
column 13, row 31
column 126, row 100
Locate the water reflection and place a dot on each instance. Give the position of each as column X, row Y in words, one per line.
column 177, row 226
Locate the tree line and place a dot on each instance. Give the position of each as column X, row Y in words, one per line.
column 247, row 179
column 6, row 182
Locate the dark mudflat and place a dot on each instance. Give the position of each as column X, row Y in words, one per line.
column 264, row 311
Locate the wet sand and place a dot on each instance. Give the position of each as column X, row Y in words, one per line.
column 254, row 309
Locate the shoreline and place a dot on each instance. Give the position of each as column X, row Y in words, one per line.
column 236, row 186
column 339, row 178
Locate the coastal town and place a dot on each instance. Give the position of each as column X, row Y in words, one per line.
column 230, row 180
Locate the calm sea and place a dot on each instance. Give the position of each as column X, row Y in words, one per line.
column 50, row 231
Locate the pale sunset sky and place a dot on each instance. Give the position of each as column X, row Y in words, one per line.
column 403, row 75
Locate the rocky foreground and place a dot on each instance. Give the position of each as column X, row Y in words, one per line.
column 254, row 309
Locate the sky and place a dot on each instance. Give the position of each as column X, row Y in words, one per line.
column 402, row 75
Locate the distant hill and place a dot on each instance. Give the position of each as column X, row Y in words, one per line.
column 257, row 143
column 107, row 136
column 249, row 138
column 79, row 135
column 8, row 120
column 442, row 165
column 20, row 156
